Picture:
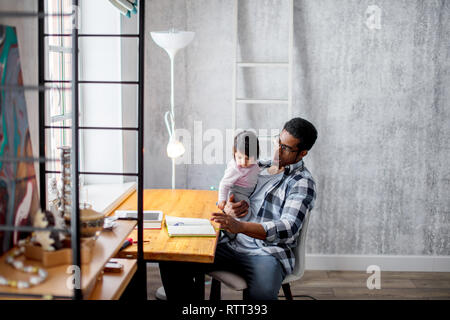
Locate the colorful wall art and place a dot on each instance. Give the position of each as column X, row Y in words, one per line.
column 18, row 187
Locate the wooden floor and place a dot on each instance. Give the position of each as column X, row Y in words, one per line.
column 328, row 285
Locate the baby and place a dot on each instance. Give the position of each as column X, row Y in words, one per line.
column 242, row 171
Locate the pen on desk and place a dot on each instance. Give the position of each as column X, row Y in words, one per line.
column 127, row 243
column 220, row 209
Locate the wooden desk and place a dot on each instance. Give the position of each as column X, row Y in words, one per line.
column 181, row 203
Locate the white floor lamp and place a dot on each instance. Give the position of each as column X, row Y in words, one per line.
column 172, row 41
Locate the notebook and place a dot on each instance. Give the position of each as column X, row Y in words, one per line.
column 185, row 227
column 152, row 218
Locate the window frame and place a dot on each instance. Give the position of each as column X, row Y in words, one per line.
column 57, row 63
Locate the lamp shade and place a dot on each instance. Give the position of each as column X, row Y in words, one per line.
column 172, row 40
column 175, row 148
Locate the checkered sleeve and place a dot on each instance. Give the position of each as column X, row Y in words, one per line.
column 300, row 199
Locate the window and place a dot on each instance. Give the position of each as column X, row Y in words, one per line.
column 58, row 68
column 100, row 105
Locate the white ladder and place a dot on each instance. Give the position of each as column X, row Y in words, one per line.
column 250, row 64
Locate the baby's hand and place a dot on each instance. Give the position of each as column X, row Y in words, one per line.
column 221, row 204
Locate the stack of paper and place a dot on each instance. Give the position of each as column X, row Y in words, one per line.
column 177, row 227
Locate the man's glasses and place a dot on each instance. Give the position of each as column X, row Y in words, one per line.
column 277, row 142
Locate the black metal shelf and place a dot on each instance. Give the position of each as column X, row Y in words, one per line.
column 93, row 35
column 30, row 88
column 74, row 230
column 98, row 173
column 93, row 82
column 95, row 128
column 31, row 229
column 31, row 14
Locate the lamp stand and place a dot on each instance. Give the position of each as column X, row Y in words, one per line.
column 172, row 109
column 173, row 173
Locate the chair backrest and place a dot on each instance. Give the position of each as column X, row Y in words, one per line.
column 300, row 250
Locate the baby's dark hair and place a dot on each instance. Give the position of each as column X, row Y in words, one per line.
column 247, row 143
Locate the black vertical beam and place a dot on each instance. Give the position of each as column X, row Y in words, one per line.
column 75, row 216
column 142, row 272
column 41, row 67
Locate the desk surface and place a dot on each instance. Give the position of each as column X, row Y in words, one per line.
column 158, row 246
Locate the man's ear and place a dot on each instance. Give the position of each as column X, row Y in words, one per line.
column 302, row 154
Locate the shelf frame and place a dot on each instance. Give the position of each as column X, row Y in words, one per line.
column 74, row 83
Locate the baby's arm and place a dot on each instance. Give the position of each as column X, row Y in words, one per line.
column 229, row 178
column 221, row 204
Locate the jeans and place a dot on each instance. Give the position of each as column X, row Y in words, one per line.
column 263, row 274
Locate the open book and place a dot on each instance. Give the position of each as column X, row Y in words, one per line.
column 177, row 227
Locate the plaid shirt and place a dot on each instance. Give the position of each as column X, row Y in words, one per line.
column 283, row 210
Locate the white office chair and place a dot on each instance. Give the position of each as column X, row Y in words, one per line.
column 236, row 282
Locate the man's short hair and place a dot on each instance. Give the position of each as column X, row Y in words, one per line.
column 303, row 130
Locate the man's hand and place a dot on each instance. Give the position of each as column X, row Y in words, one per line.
column 238, row 209
column 227, row 222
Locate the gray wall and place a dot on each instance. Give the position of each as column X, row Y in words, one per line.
column 379, row 99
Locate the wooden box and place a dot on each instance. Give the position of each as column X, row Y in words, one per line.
column 61, row 256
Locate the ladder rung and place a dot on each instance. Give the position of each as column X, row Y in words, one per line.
column 262, row 101
column 263, row 64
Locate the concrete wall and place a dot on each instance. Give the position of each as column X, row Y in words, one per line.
column 378, row 97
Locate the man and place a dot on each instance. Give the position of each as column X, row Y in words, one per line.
column 263, row 250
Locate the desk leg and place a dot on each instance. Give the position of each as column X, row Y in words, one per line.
column 200, row 285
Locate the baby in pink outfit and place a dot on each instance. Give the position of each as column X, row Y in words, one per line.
column 242, row 171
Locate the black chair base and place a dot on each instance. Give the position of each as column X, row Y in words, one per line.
column 215, row 294
column 287, row 291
